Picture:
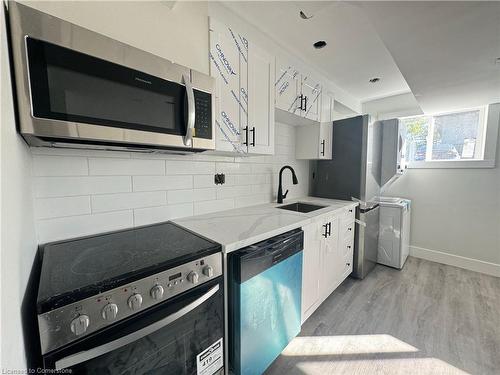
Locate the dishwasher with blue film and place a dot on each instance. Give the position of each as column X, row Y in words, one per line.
column 265, row 286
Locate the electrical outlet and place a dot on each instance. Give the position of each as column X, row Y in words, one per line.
column 220, row 179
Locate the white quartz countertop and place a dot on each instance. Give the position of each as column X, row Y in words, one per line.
column 237, row 228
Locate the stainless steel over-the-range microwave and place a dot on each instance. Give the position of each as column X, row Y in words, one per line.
column 77, row 88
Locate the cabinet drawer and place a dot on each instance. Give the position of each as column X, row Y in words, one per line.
column 347, row 246
column 347, row 229
column 348, row 261
column 348, row 214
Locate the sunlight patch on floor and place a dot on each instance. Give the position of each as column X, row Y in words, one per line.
column 348, row 344
column 392, row 366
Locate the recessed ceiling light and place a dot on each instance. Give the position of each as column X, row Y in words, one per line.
column 319, row 44
column 304, row 16
column 374, row 80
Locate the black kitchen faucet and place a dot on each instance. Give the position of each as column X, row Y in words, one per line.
column 281, row 196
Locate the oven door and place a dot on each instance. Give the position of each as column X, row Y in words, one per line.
column 183, row 335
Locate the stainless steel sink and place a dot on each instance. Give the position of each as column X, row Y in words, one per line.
column 301, row 207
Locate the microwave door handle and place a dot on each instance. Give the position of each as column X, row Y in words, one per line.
column 87, row 355
column 188, row 139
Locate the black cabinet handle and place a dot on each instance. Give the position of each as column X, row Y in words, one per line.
column 350, row 210
column 301, row 101
column 329, row 229
column 246, row 135
column 323, row 147
column 305, row 103
column 326, row 230
column 253, row 137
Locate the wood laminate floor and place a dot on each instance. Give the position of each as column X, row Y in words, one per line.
column 428, row 318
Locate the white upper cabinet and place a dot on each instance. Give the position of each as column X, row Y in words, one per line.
column 244, row 76
column 327, row 107
column 314, row 141
column 297, row 92
column 226, row 64
column 260, row 101
column 311, row 98
column 288, row 81
column 325, row 140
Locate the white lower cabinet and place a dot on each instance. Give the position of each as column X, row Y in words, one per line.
column 310, row 266
column 328, row 257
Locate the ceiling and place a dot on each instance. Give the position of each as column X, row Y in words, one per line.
column 444, row 52
column 354, row 53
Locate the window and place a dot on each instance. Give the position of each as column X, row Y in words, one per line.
column 443, row 140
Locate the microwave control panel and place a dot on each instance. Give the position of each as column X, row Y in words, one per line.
column 203, row 122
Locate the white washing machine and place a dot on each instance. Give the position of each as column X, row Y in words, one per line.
column 394, row 231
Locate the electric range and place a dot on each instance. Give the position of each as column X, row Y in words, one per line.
column 142, row 300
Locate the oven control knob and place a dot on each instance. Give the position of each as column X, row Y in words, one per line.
column 80, row 324
column 193, row 277
column 135, row 301
column 156, row 292
column 208, row 271
column 110, row 311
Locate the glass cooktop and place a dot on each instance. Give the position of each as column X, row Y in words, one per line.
column 76, row 269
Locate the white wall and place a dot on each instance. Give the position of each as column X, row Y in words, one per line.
column 18, row 240
column 455, row 212
column 400, row 105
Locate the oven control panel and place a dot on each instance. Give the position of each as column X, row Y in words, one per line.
column 68, row 323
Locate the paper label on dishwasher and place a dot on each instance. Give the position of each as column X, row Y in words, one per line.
column 209, row 361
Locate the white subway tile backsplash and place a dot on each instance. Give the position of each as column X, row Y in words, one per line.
column 55, row 151
column 46, row 208
column 252, row 200
column 152, row 183
column 204, row 194
column 262, row 168
column 233, row 191
column 204, row 180
column 80, row 192
column 117, row 202
column 45, row 165
column 196, row 195
column 189, row 167
column 121, row 167
column 180, row 196
column 250, row 179
column 76, row 226
column 213, row 206
column 233, row 168
column 69, row 186
column 144, row 216
column 262, row 189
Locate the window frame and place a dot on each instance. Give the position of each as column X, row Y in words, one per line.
column 484, row 156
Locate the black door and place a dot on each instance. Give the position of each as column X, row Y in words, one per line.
column 72, row 86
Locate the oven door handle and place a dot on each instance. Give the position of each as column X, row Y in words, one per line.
column 188, row 138
column 87, row 355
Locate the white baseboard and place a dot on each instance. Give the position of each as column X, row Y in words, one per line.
column 456, row 260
